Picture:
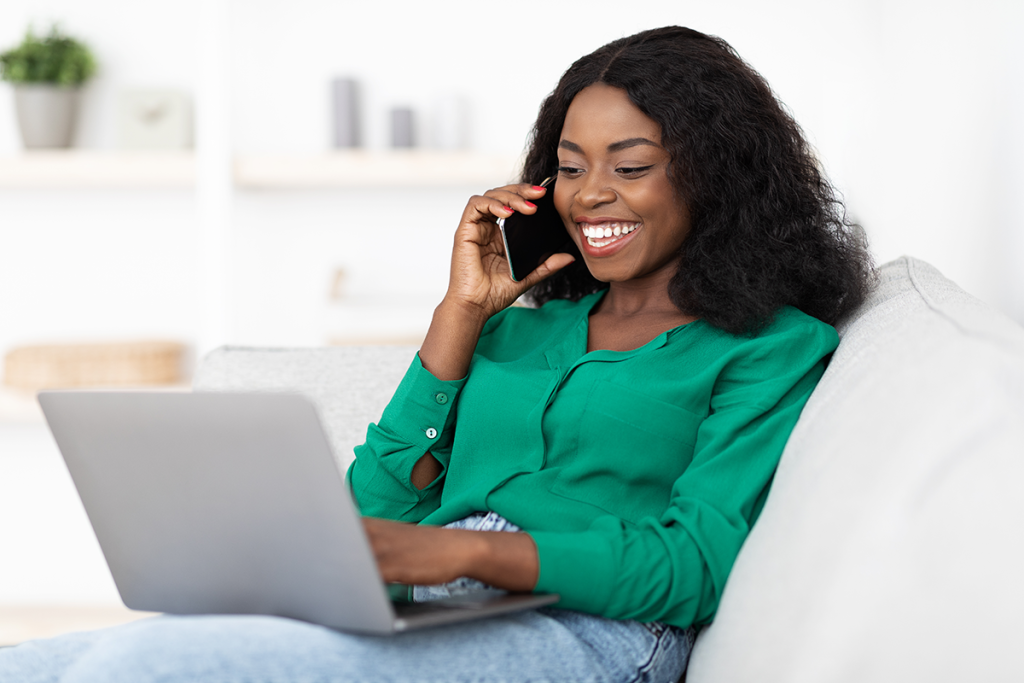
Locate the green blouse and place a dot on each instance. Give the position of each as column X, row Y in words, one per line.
column 638, row 474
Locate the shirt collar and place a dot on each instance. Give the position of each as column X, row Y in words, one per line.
column 573, row 347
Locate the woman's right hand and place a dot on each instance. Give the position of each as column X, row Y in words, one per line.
column 480, row 279
column 480, row 283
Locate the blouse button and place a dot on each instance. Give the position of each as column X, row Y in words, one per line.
column 441, row 398
column 431, row 433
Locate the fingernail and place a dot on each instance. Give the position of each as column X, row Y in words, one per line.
column 509, row 209
column 539, row 187
column 531, row 205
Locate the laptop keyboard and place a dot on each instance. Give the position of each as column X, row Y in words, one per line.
column 470, row 601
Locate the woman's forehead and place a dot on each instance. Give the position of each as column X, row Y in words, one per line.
column 603, row 115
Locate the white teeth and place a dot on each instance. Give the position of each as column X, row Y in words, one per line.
column 603, row 232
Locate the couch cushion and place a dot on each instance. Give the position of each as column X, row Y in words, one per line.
column 891, row 547
column 349, row 385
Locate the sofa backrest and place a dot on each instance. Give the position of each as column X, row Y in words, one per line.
column 350, row 385
column 891, row 547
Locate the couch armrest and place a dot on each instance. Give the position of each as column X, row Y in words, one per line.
column 890, row 546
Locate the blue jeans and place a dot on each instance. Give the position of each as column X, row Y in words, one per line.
column 545, row 645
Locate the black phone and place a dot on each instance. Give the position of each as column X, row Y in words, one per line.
column 530, row 240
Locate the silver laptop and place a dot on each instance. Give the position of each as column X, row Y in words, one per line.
column 230, row 503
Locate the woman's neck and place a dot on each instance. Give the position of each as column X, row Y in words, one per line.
column 633, row 313
column 636, row 298
column 642, row 296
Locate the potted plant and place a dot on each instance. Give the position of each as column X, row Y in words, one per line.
column 47, row 73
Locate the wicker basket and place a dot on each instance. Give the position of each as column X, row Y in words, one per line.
column 32, row 368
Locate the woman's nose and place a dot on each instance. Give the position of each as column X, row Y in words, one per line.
column 596, row 190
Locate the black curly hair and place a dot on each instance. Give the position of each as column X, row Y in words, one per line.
column 767, row 229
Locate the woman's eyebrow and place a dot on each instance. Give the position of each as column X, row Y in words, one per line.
column 614, row 147
column 631, row 142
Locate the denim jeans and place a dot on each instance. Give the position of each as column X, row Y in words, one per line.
column 544, row 645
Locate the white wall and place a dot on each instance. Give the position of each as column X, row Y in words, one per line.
column 916, row 108
column 97, row 264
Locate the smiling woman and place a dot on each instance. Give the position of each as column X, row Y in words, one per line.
column 766, row 227
column 620, row 207
column 614, row 443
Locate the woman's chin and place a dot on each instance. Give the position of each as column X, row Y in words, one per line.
column 607, row 273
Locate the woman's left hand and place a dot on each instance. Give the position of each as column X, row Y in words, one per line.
column 427, row 555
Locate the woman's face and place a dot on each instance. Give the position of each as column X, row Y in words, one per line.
column 613, row 190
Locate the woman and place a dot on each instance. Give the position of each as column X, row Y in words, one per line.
column 628, row 427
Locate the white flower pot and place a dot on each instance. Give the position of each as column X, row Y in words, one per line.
column 46, row 115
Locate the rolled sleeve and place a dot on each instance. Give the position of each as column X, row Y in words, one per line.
column 420, row 418
column 422, row 411
column 577, row 566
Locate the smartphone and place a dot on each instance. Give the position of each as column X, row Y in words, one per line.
column 530, row 240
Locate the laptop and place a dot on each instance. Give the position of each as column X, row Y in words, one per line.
column 233, row 503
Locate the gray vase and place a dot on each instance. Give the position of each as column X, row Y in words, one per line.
column 345, row 92
column 403, row 127
column 46, row 115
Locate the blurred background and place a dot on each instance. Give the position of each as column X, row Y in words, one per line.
column 249, row 235
column 208, row 195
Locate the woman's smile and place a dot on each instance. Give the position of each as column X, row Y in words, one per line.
column 605, row 236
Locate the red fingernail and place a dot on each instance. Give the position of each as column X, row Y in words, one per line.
column 508, row 208
column 539, row 187
column 531, row 205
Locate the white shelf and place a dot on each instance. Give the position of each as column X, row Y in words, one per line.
column 84, row 169
column 360, row 169
column 78, row 169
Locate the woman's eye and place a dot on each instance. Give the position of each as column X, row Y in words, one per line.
column 569, row 170
column 633, row 170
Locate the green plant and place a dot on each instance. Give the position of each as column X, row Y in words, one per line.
column 54, row 58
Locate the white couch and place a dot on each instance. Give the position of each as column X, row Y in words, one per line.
column 891, row 547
